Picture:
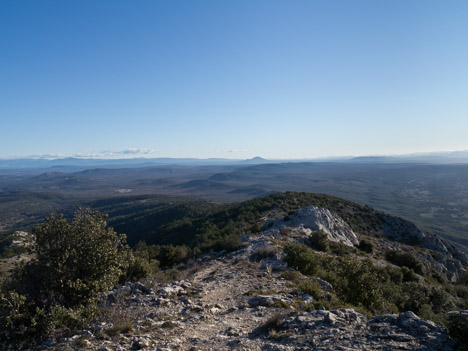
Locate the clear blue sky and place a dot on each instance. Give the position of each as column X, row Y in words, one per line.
column 279, row 79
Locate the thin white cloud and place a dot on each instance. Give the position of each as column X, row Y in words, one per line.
column 140, row 151
column 127, row 153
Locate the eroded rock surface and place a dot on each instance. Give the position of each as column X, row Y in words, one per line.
column 311, row 219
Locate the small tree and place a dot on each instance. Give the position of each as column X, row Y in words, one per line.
column 77, row 261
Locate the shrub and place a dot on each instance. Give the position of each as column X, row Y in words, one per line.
column 301, row 258
column 361, row 283
column 395, row 274
column 262, row 253
column 310, row 287
column 404, row 259
column 20, row 318
column 409, row 275
column 461, row 291
column 140, row 267
column 123, row 326
column 168, row 275
column 416, row 297
column 458, row 327
column 463, row 278
column 340, row 249
column 273, row 323
column 75, row 262
column 319, row 241
column 169, row 325
column 169, row 255
column 366, row 246
column 440, row 300
column 293, row 276
column 231, row 243
column 83, row 341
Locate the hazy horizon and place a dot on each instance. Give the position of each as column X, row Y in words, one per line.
column 135, row 155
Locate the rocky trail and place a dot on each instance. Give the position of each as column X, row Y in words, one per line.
column 233, row 302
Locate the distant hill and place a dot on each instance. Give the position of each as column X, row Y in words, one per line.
column 255, row 160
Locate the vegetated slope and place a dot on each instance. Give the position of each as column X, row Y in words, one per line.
column 139, row 216
column 154, row 219
column 22, row 209
column 207, row 225
column 288, row 286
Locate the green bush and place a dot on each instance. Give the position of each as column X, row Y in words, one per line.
column 140, row 267
column 461, row 291
column 404, row 259
column 263, row 253
column 273, row 323
column 395, row 274
column 416, row 296
column 20, row 319
column 376, row 289
column 319, row 241
column 366, row 246
column 293, row 276
column 168, row 275
column 164, row 255
column 458, row 327
column 123, row 326
column 340, row 249
column 301, row 258
column 409, row 275
column 361, row 283
column 75, row 263
column 230, row 243
column 310, row 287
column 463, row 278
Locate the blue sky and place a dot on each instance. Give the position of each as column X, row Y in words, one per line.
column 236, row 79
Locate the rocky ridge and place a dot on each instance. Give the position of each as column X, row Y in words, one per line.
column 441, row 256
column 312, row 218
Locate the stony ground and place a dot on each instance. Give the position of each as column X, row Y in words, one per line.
column 231, row 302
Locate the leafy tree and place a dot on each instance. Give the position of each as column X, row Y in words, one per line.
column 75, row 262
column 80, row 260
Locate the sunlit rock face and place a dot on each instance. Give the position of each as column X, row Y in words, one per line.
column 311, row 219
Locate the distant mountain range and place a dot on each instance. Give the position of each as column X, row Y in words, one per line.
column 71, row 164
column 75, row 164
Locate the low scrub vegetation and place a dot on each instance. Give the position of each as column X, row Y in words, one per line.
column 263, row 253
column 458, row 327
column 404, row 259
column 319, row 241
column 361, row 283
column 8, row 246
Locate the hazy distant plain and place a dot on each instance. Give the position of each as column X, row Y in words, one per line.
column 433, row 196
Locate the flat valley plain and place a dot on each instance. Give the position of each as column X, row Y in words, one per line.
column 434, row 196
